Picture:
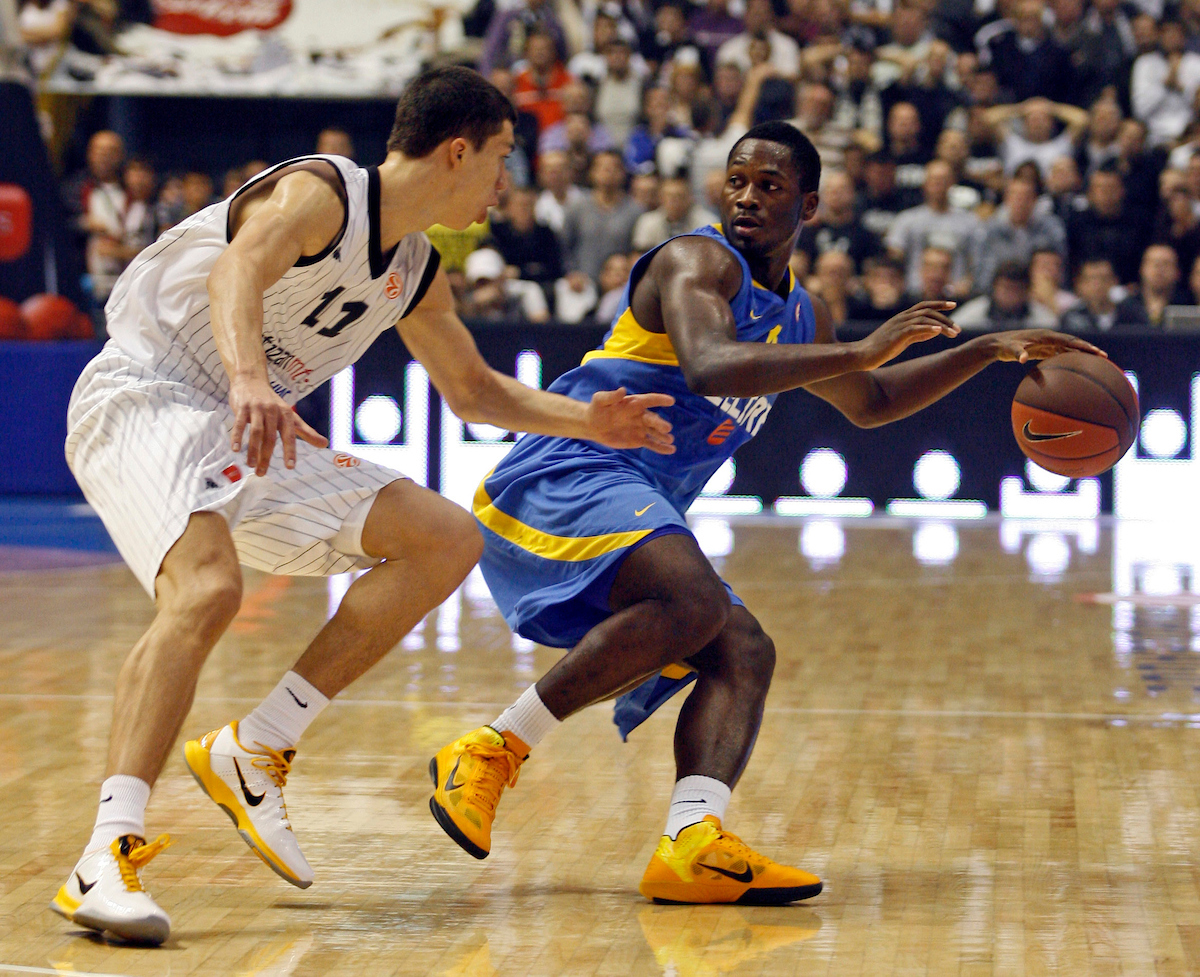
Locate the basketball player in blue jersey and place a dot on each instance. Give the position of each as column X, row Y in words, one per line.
column 588, row 549
column 216, row 330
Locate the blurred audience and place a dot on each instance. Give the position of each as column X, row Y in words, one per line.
column 677, row 214
column 1007, row 305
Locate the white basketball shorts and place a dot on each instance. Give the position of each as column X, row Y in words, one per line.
column 149, row 451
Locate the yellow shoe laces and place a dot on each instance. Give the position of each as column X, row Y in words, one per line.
column 734, row 846
column 275, row 764
column 500, row 766
column 130, row 865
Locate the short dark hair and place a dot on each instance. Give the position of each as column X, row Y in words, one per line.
column 446, row 103
column 1012, row 270
column 805, row 157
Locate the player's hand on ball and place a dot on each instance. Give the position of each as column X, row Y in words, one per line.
column 622, row 420
column 1024, row 345
column 259, row 416
column 922, row 322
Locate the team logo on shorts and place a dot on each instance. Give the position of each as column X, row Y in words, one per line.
column 346, row 461
column 393, row 287
column 233, row 473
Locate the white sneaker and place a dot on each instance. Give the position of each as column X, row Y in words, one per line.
column 105, row 892
column 248, row 786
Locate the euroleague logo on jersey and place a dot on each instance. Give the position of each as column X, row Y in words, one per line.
column 346, row 461
column 393, row 286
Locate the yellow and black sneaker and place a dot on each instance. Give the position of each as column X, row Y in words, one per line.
column 105, row 893
column 469, row 776
column 708, row 865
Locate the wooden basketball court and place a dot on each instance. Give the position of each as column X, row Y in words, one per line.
column 993, row 776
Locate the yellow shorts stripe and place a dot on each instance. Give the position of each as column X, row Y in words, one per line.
column 547, row 545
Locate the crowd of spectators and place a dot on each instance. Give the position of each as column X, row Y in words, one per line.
column 1034, row 160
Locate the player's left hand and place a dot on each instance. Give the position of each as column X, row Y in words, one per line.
column 622, row 420
column 1024, row 345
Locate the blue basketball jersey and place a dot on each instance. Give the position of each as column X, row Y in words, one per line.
column 559, row 516
column 707, row 430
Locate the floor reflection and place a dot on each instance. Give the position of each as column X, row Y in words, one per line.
column 700, row 941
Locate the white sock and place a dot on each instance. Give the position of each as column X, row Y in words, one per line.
column 693, row 799
column 528, row 718
column 122, row 810
column 283, row 716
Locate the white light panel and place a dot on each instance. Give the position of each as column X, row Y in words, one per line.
column 410, row 458
column 378, row 419
column 466, row 462
column 1160, row 488
column 713, row 500
column 936, row 475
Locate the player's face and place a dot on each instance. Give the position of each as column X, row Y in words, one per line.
column 762, row 205
column 482, row 179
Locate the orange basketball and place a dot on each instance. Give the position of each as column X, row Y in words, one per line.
column 49, row 317
column 12, row 323
column 1075, row 414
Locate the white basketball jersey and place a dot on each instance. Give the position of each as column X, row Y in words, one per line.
column 321, row 316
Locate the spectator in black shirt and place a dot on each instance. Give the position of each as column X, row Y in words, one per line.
column 1179, row 226
column 905, row 145
column 882, row 295
column 1096, row 311
column 1139, row 167
column 1106, row 228
column 1028, row 62
column 881, row 201
column 1102, row 53
column 837, row 227
column 1158, row 287
column 530, row 247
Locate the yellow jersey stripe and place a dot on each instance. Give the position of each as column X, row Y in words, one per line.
column 629, row 341
column 546, row 545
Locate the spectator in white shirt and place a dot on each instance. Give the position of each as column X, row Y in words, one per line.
column 1163, row 84
column 618, row 103
column 1036, row 141
column 760, row 23
column 492, row 295
column 678, row 214
column 935, row 224
column 558, row 192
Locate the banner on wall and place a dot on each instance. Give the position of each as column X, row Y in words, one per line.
column 269, row 48
column 219, row 17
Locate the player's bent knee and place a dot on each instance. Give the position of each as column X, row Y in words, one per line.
column 702, row 612
column 750, row 653
column 467, row 540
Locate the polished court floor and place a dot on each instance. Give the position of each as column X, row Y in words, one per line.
column 984, row 736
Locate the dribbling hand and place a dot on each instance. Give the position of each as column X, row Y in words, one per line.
column 1024, row 345
column 922, row 322
column 259, row 416
column 622, row 420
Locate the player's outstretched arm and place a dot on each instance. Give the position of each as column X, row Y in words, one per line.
column 271, row 233
column 436, row 336
column 890, row 393
column 686, row 291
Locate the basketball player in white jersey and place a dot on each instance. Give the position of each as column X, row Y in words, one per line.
column 217, row 330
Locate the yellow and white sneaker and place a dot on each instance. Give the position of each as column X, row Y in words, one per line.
column 105, row 893
column 468, row 777
column 706, row 865
column 248, row 786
